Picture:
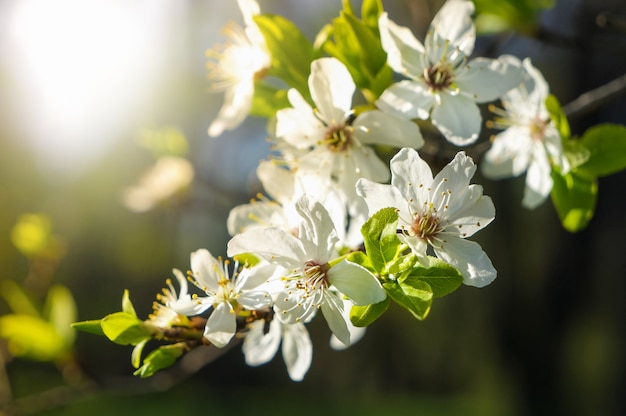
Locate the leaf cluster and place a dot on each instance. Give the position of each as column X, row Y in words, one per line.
column 600, row 151
column 407, row 281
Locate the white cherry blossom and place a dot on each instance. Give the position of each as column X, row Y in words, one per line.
column 236, row 66
column 530, row 142
column 285, row 188
column 330, row 140
column 439, row 212
column 225, row 295
column 444, row 84
column 163, row 314
column 311, row 282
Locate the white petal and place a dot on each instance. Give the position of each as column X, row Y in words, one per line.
column 458, row 118
column 254, row 300
column 249, row 8
column 411, row 176
column 317, row 231
column 407, row 99
column 404, row 51
column 258, row 214
column 298, row 126
column 221, row 325
column 357, row 283
column 191, row 307
column 259, row 348
column 508, row 155
column 362, row 162
column 292, row 308
column 277, row 181
column 487, row 79
column 376, row 127
column 236, row 106
column 297, row 350
column 417, row 246
column 540, row 88
column 454, row 23
column 331, row 88
column 204, row 268
column 470, row 259
column 251, row 277
column 332, row 309
column 538, row 181
column 474, row 213
column 356, row 333
column 378, row 196
column 272, row 244
column 454, row 179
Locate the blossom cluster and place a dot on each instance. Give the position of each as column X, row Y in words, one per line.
column 340, row 231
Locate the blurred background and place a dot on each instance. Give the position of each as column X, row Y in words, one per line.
column 95, row 92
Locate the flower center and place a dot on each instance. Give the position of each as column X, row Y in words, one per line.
column 537, row 129
column 338, row 138
column 315, row 275
column 438, row 76
column 425, row 226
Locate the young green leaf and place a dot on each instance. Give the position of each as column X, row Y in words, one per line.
column 124, row 328
column 576, row 153
column 267, row 100
column 18, row 300
column 361, row 259
column 160, row 358
column 363, row 316
column 127, row 305
column 607, row 150
column 574, row 198
column 371, row 11
column 291, row 51
column 415, row 296
column 93, row 326
column 558, row 116
column 60, row 311
column 380, row 239
column 441, row 277
column 31, row 337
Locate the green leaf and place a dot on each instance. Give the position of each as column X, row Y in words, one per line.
column 511, row 15
column 60, row 311
column 371, row 11
column 364, row 315
column 31, row 337
column 291, row 51
column 93, row 326
column 124, row 328
column 558, row 116
column 380, row 239
column 160, row 358
column 401, row 264
column 127, row 305
column 576, row 153
column 359, row 47
column 440, row 276
column 17, row 299
column 361, row 259
column 267, row 100
column 607, row 149
column 415, row 296
column 574, row 198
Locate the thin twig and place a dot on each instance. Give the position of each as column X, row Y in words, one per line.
column 595, row 98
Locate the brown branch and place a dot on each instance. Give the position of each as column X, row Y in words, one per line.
column 595, row 98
